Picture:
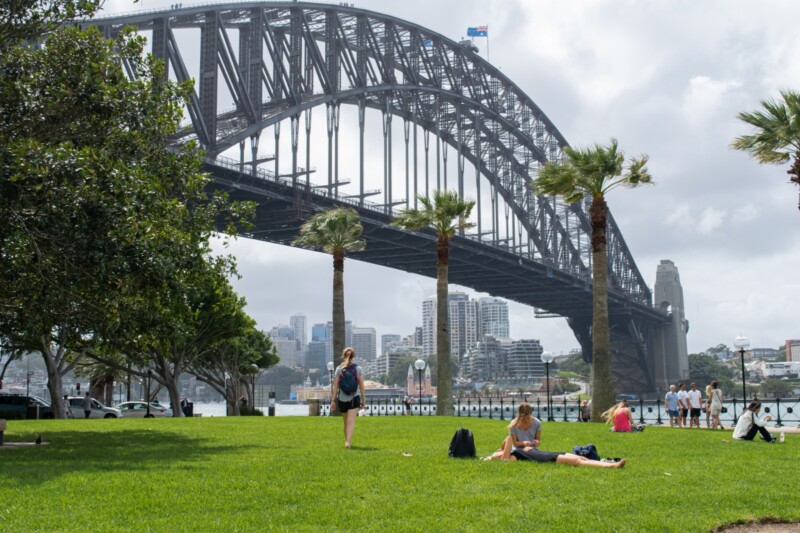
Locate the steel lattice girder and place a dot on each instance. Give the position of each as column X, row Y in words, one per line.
column 296, row 56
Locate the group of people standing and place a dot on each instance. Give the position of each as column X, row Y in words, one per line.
column 684, row 406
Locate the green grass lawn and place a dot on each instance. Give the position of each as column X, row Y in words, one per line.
column 293, row 474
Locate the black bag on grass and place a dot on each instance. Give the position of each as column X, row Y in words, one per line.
column 462, row 445
column 589, row 451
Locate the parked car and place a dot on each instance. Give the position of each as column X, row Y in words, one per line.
column 98, row 409
column 139, row 410
column 17, row 407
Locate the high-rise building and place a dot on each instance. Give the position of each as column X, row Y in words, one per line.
column 287, row 351
column 494, row 317
column 298, row 324
column 282, row 331
column 525, row 359
column 464, row 321
column 389, row 341
column 485, row 360
column 315, row 356
column 365, row 343
column 793, row 350
column 348, row 340
column 319, row 333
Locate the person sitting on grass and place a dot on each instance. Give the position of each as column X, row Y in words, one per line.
column 749, row 424
column 505, row 453
column 620, row 415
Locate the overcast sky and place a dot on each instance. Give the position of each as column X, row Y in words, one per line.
column 667, row 79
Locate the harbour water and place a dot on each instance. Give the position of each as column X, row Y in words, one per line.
column 218, row 409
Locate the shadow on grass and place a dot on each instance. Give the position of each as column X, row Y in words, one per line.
column 71, row 452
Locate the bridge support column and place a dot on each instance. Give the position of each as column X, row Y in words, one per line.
column 669, row 298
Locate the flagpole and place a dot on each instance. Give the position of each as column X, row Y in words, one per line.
column 487, row 43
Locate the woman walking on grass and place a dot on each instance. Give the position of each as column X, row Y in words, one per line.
column 715, row 405
column 348, row 392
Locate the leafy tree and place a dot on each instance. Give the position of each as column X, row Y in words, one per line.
column 22, row 20
column 775, row 388
column 226, row 367
column 446, row 214
column 282, row 378
column 575, row 363
column 594, row 172
column 336, row 232
column 399, row 374
column 703, row 369
column 97, row 218
column 777, row 139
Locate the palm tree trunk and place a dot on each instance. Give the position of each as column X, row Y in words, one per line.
column 602, row 382
column 338, row 305
column 444, row 387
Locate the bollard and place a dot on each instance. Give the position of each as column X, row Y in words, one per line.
column 2, row 430
column 314, row 405
column 271, row 403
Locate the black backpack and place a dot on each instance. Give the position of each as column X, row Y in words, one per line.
column 348, row 380
column 589, row 451
column 462, row 444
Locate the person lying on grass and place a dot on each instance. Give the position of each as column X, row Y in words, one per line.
column 523, row 439
column 505, row 453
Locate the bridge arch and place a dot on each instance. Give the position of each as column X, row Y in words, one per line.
column 294, row 57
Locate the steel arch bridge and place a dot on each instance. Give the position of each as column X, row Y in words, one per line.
column 259, row 65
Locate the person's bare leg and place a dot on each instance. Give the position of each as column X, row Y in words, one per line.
column 577, row 460
column 349, row 426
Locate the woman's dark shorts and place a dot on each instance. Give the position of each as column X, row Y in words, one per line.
column 536, row 455
column 343, row 407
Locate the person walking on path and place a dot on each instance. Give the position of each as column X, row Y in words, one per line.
column 671, row 406
column 715, row 405
column 683, row 404
column 707, row 406
column 749, row 424
column 348, row 392
column 87, row 405
column 695, row 399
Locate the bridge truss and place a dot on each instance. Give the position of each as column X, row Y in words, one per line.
column 457, row 122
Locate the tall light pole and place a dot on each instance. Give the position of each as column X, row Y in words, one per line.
column 254, row 368
column 742, row 343
column 420, row 365
column 547, row 358
column 330, row 372
column 147, row 397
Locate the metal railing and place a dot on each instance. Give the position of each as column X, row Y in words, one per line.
column 784, row 411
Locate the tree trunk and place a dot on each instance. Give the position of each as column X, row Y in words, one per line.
column 794, row 172
column 444, row 386
column 54, row 383
column 338, row 306
column 602, row 381
column 174, row 398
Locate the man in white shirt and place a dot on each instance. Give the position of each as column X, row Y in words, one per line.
column 683, row 404
column 695, row 404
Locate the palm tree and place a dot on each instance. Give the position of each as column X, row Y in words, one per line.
column 445, row 215
column 594, row 172
column 336, row 232
column 778, row 137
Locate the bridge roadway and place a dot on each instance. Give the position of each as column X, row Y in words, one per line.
column 282, row 208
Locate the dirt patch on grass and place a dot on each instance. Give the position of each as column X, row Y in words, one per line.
column 762, row 525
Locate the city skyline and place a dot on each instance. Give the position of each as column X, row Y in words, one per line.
column 605, row 70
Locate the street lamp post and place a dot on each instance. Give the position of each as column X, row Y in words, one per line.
column 742, row 343
column 420, row 365
column 330, row 372
column 254, row 368
column 547, row 358
column 147, row 396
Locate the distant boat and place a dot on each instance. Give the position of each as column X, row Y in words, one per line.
column 292, row 402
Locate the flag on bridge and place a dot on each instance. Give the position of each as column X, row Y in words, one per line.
column 478, row 31
column 427, row 43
